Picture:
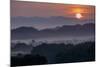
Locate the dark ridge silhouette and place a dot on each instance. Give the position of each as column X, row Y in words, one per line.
column 66, row 30
column 21, row 29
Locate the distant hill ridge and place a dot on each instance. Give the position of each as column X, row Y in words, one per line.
column 65, row 30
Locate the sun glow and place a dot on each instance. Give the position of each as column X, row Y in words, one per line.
column 78, row 15
column 78, row 12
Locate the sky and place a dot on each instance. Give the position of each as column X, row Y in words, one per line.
column 49, row 15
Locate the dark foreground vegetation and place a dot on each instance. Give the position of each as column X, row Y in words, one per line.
column 56, row 53
column 28, row 60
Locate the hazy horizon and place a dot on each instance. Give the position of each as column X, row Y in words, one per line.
column 49, row 15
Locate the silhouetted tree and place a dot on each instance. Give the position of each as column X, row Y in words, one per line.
column 79, row 53
column 59, row 53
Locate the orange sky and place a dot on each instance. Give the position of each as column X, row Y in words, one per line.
column 49, row 15
column 29, row 9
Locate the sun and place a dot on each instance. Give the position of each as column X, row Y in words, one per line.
column 78, row 15
column 77, row 12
